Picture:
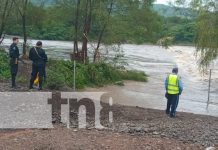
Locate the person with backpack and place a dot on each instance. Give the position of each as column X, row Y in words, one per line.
column 174, row 88
column 14, row 57
column 39, row 58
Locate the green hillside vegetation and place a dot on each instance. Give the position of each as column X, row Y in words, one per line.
column 171, row 11
column 55, row 21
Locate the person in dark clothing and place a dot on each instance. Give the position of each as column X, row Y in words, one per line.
column 44, row 69
column 39, row 58
column 14, row 55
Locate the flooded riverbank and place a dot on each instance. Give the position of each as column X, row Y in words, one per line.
column 157, row 63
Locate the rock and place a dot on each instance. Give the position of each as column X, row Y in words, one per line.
column 155, row 133
column 210, row 148
column 139, row 129
column 123, row 128
column 146, row 130
column 131, row 130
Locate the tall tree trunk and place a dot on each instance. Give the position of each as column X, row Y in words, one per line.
column 3, row 18
column 24, row 28
column 22, row 9
column 24, row 35
column 87, row 27
column 102, row 32
column 76, row 49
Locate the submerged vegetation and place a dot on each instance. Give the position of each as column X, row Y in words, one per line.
column 60, row 74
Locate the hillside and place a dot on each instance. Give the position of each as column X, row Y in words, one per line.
column 46, row 2
column 170, row 11
column 161, row 9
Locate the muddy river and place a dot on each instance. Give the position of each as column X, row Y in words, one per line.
column 157, row 62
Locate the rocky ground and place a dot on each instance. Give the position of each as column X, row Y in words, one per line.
column 132, row 128
column 69, row 139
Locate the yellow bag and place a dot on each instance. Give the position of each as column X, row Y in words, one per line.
column 36, row 81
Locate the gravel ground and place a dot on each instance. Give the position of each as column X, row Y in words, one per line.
column 69, row 139
column 133, row 128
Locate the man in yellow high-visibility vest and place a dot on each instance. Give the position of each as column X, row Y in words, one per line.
column 174, row 88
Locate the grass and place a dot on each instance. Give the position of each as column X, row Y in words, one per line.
column 4, row 66
column 60, row 74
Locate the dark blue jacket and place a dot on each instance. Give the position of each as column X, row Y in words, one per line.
column 14, row 52
column 39, row 58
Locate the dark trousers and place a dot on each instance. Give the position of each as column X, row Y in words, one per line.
column 35, row 70
column 172, row 103
column 14, row 70
column 44, row 72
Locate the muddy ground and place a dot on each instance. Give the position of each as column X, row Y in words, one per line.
column 132, row 128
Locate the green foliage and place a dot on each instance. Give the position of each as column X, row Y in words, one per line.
column 130, row 21
column 134, row 75
column 4, row 66
column 52, row 32
column 60, row 74
column 165, row 42
column 55, row 80
column 172, row 11
column 183, row 30
column 207, row 38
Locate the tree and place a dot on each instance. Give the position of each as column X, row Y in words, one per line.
column 101, row 33
column 21, row 6
column 207, row 29
column 86, row 28
column 76, row 49
column 207, row 38
column 5, row 8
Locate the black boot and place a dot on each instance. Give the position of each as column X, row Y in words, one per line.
column 13, row 81
column 31, row 83
column 40, row 83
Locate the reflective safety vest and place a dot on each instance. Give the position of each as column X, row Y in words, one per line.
column 173, row 84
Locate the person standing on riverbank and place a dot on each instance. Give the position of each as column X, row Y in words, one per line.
column 174, row 88
column 14, row 57
column 39, row 58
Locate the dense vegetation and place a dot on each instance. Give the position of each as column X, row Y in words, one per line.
column 206, row 39
column 54, row 21
column 60, row 74
column 181, row 29
column 4, row 63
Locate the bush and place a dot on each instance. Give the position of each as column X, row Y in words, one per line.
column 4, row 66
column 134, row 75
column 60, row 73
column 55, row 81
